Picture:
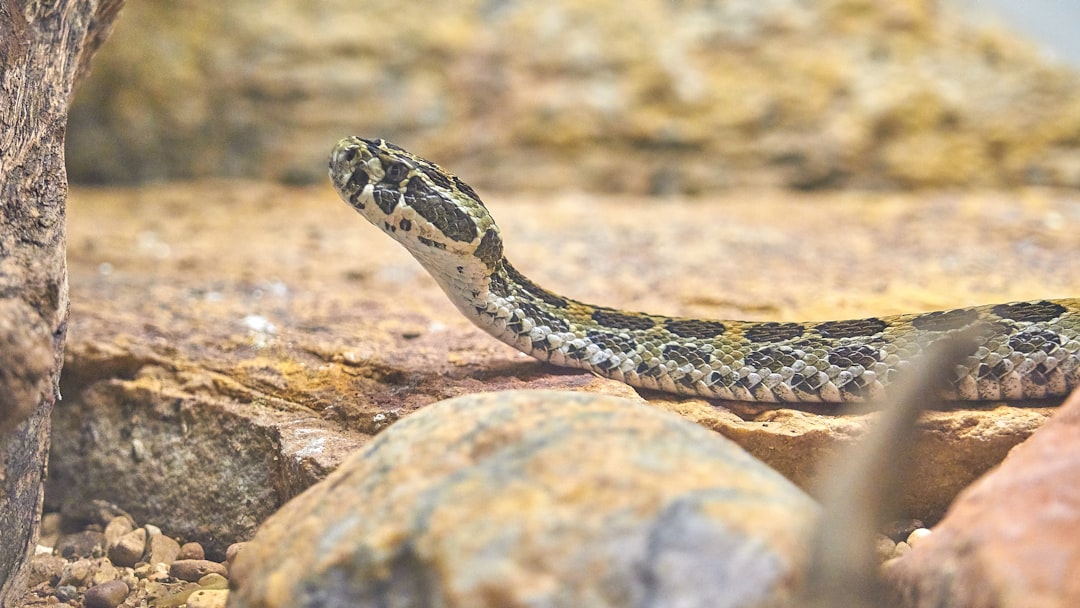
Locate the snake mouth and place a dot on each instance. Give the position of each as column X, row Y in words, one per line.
column 348, row 170
column 342, row 160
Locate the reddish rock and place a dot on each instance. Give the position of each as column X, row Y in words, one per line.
column 194, row 569
column 106, row 595
column 191, row 551
column 1009, row 540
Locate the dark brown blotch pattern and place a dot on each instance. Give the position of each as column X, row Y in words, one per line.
column 386, row 199
column 682, row 354
column 439, row 178
column 467, row 190
column 609, row 317
column 945, row 320
column 845, row 357
column 771, row 358
column 615, row 342
column 1033, row 312
column 531, row 288
column 540, row 317
column 695, row 328
column 773, row 332
column 1032, row 340
column 445, row 215
column 490, row 249
column 854, row 328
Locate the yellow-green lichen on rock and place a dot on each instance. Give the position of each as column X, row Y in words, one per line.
column 535, row 498
column 641, row 96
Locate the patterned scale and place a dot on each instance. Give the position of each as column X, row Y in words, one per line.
column 1021, row 350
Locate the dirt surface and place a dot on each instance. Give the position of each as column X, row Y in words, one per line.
column 231, row 342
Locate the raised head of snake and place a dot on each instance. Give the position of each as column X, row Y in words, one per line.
column 1023, row 350
column 435, row 215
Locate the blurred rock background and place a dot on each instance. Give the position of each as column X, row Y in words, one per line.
column 638, row 96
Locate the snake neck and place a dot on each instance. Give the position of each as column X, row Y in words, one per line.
column 1030, row 352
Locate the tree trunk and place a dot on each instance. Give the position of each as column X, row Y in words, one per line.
column 45, row 48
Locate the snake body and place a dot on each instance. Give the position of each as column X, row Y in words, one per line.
column 1022, row 350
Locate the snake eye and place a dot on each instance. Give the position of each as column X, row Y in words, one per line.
column 396, row 172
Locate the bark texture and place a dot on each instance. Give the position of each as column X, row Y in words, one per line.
column 45, row 48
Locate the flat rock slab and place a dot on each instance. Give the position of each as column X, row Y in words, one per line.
column 232, row 342
column 536, row 498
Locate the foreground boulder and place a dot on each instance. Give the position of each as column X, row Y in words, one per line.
column 535, row 498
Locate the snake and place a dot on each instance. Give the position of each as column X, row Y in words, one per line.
column 1018, row 351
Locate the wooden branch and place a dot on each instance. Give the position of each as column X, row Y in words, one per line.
column 45, row 47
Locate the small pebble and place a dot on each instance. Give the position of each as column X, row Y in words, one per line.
column 159, row 572
column 116, row 528
column 129, row 578
column 77, row 573
column 162, row 549
column 155, row 591
column 194, row 569
column 917, row 536
column 233, row 550
column 104, row 572
column 129, row 548
column 106, row 595
column 66, row 593
column 884, row 548
column 191, row 551
column 214, row 581
column 208, row 598
column 901, row 549
column 899, row 530
column 46, row 568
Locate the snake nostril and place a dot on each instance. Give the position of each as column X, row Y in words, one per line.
column 349, row 154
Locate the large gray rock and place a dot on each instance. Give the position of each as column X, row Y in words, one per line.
column 535, row 498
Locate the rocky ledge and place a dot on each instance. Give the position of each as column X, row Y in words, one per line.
column 231, row 343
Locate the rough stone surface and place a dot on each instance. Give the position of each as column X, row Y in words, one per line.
column 45, row 49
column 1009, row 540
column 636, row 96
column 232, row 343
column 535, row 498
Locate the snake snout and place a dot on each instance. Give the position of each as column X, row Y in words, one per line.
column 343, row 155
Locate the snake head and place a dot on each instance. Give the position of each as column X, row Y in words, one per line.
column 430, row 211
